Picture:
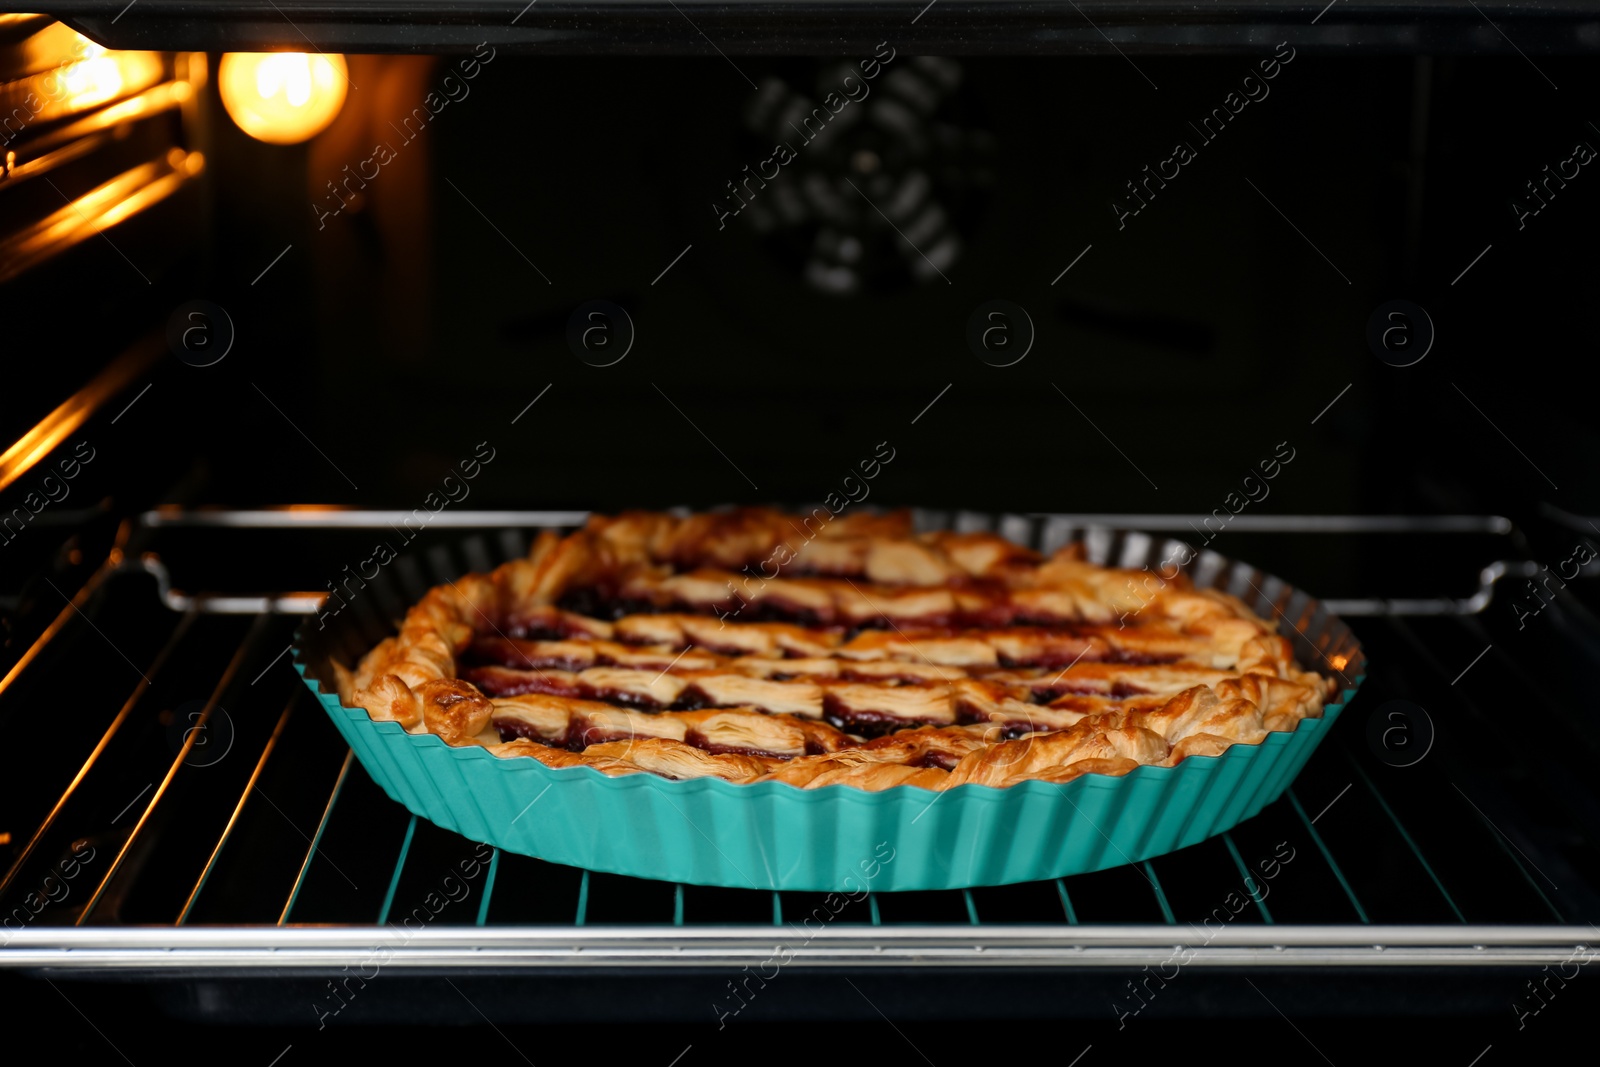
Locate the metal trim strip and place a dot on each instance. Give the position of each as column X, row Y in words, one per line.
column 275, row 949
column 312, row 516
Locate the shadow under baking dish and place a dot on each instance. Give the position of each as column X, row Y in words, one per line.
column 772, row 835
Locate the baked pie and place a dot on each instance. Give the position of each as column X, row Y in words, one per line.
column 752, row 646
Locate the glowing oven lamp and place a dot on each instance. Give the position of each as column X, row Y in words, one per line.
column 282, row 97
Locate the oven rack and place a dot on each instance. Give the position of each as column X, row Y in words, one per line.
column 1060, row 527
column 282, row 858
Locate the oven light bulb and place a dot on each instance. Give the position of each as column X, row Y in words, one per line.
column 282, row 97
column 93, row 79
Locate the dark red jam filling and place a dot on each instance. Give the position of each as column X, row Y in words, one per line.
column 866, row 723
column 1047, row 660
column 1063, row 688
column 509, row 682
column 691, row 699
column 698, row 740
column 768, row 610
column 993, row 618
column 599, row 602
column 815, row 747
column 511, row 729
column 543, row 625
column 923, row 624
column 966, row 714
column 518, row 653
column 538, row 631
column 620, row 697
column 583, row 736
column 1045, row 694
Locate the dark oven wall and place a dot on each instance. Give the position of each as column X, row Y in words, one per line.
column 1258, row 284
column 405, row 286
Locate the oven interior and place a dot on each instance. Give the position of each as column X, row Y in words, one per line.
column 412, row 287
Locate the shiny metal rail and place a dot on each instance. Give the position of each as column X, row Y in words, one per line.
column 341, row 517
column 277, row 949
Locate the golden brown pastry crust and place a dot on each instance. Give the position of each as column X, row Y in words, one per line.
column 867, row 656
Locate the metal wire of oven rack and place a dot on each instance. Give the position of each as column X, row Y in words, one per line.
column 1431, row 865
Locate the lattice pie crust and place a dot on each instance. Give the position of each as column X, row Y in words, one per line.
column 756, row 646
